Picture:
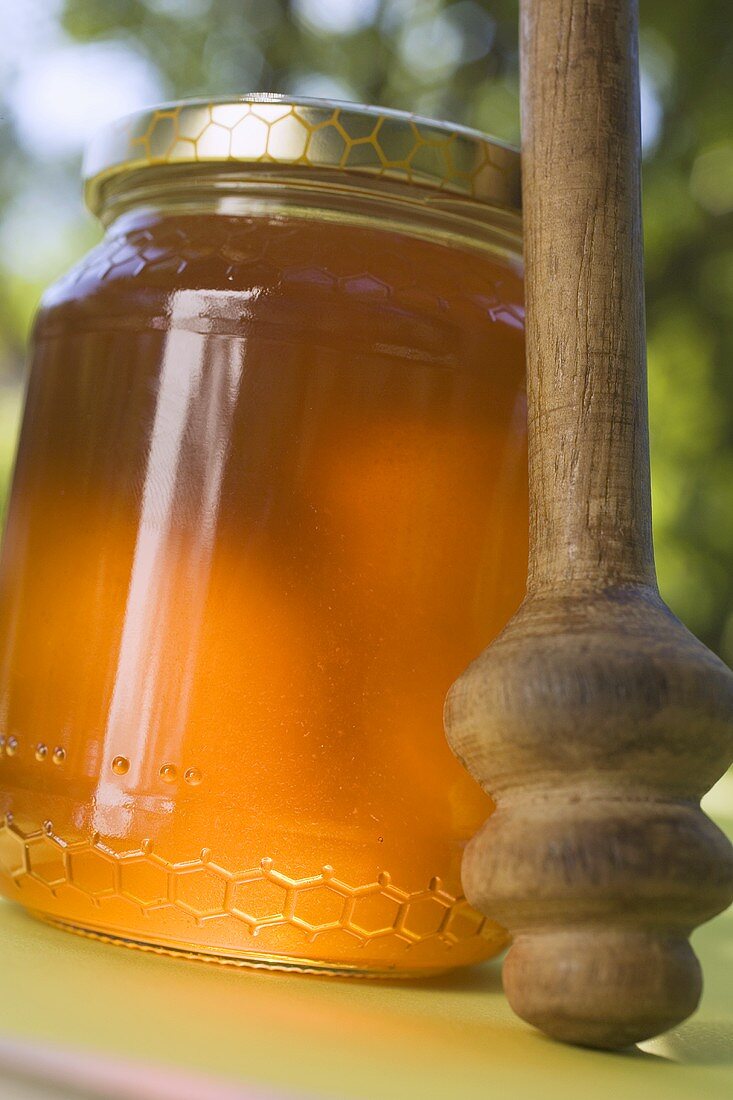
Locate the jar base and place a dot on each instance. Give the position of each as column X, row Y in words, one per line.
column 246, row 960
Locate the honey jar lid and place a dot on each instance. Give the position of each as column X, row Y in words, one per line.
column 262, row 130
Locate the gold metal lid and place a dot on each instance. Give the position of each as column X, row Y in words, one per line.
column 263, row 129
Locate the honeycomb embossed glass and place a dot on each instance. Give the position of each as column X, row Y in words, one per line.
column 269, row 501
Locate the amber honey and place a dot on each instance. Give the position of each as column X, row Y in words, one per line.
column 270, row 500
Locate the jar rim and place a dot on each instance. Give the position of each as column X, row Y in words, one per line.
column 263, row 130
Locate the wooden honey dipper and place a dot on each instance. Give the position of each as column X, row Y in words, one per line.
column 595, row 720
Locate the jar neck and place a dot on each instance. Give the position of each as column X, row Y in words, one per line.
column 323, row 195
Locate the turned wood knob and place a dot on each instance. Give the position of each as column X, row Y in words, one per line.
column 595, row 720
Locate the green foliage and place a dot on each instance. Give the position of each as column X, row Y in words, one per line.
column 455, row 59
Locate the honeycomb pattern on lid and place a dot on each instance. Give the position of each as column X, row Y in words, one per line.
column 266, row 129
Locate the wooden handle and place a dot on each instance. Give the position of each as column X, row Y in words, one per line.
column 595, row 720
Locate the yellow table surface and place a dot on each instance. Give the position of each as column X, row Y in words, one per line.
column 147, row 1026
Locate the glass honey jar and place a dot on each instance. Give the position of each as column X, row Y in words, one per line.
column 270, row 499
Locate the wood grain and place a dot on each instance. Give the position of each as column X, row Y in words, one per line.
column 595, row 720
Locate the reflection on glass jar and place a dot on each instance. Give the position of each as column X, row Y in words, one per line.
column 270, row 499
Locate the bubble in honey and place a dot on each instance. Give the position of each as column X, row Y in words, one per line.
column 120, row 765
column 41, row 752
column 169, row 773
column 11, row 746
column 59, row 755
column 193, row 776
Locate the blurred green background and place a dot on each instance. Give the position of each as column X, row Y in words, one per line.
column 67, row 66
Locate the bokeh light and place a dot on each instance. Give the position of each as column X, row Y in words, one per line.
column 61, row 96
column 336, row 16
